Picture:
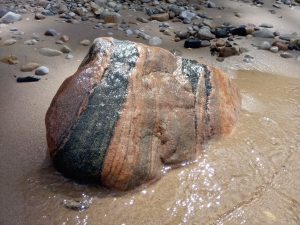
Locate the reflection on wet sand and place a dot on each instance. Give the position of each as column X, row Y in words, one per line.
column 251, row 177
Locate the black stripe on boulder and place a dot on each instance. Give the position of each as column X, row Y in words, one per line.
column 192, row 69
column 83, row 154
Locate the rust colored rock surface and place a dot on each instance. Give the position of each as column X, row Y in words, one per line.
column 130, row 109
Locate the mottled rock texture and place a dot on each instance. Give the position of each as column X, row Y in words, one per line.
column 130, row 109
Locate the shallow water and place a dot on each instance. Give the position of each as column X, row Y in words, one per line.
column 251, row 177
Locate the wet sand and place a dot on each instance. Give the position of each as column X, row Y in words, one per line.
column 251, row 177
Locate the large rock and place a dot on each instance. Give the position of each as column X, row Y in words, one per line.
column 130, row 109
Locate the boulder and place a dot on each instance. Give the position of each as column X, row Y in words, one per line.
column 130, row 109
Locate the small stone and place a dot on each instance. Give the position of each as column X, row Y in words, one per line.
column 287, row 37
column 205, row 43
column 85, row 42
column 237, row 14
column 155, row 41
column 160, row 17
column 211, row 4
column 49, row 52
column 65, row 49
column 220, row 42
column 192, row 43
column 76, row 205
column 263, row 33
column 10, row 17
column 228, row 51
column 29, row 67
column 11, row 60
column 222, row 32
column 39, row 16
column 142, row 20
column 265, row 45
column 274, row 49
column 69, row 56
column 240, row 31
column 64, row 38
column 266, row 25
column 286, row 55
column 205, row 34
column 59, row 42
column 182, row 34
column 9, row 42
column 51, row 32
column 30, row 42
column 42, row 70
column 27, row 79
column 187, row 15
column 129, row 32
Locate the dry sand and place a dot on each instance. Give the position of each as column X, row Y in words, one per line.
column 23, row 105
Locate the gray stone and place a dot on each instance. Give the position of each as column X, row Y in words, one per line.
column 288, row 37
column 42, row 70
column 188, row 15
column 266, row 25
column 274, row 49
column 286, row 55
column 10, row 17
column 205, row 34
column 65, row 49
column 30, row 42
column 51, row 32
column 155, row 41
column 39, row 16
column 69, row 56
column 265, row 45
column 205, row 43
column 211, row 4
column 9, row 42
column 49, row 52
column 263, row 33
column 3, row 11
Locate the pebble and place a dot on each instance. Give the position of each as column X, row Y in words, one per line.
column 64, row 38
column 10, row 17
column 76, row 205
column 274, row 49
column 51, row 32
column 155, row 41
column 266, row 25
column 142, row 20
column 11, row 60
column 220, row 42
column 211, row 4
column 85, row 42
column 205, row 43
column 287, row 37
column 187, row 15
column 9, row 42
column 30, row 42
column 240, row 31
column 263, row 33
column 205, row 34
column 265, row 45
column 160, row 17
column 29, row 67
column 192, row 43
column 39, row 16
column 27, row 79
column 69, row 56
column 42, row 70
column 65, row 49
column 49, row 52
column 286, row 55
